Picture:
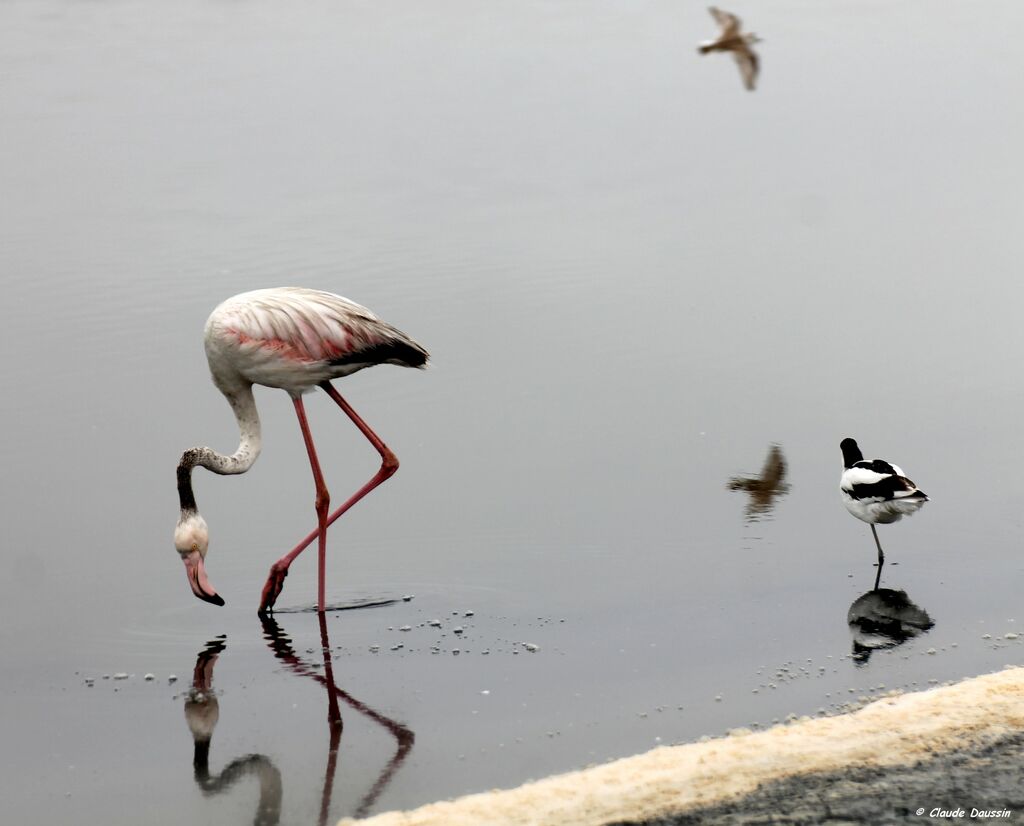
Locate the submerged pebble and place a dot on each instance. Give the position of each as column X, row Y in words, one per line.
column 149, row 677
column 120, row 675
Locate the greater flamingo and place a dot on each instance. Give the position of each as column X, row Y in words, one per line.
column 295, row 339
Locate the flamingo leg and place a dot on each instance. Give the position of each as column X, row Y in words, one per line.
column 389, row 464
column 323, row 504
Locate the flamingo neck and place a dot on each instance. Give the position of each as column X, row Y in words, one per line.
column 249, row 444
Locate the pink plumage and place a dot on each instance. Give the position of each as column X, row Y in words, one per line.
column 295, row 339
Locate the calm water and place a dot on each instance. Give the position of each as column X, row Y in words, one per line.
column 633, row 276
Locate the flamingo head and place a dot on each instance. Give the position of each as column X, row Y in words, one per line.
column 191, row 540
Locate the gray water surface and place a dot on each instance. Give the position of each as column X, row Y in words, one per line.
column 633, row 276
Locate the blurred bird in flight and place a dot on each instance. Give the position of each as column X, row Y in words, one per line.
column 733, row 40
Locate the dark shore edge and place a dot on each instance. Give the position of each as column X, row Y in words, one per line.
column 983, row 784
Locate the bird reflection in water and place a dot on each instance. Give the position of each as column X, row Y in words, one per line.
column 281, row 645
column 763, row 489
column 202, row 711
column 884, row 618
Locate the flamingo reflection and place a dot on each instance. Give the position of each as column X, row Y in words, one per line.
column 281, row 645
column 884, row 618
column 202, row 710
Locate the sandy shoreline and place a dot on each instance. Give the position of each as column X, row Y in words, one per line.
column 664, row 784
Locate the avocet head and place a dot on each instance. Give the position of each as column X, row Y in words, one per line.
column 191, row 540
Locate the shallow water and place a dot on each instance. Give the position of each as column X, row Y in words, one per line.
column 633, row 277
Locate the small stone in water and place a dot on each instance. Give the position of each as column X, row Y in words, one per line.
column 408, row 597
column 457, row 629
column 374, row 649
column 455, row 651
column 1010, row 636
column 396, row 646
column 173, row 678
column 434, row 623
column 468, row 613
column 405, row 628
column 529, row 646
column 120, row 675
column 149, row 678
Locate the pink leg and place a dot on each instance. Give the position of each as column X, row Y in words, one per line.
column 323, row 502
column 389, row 464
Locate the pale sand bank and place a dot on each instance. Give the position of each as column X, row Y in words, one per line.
column 891, row 731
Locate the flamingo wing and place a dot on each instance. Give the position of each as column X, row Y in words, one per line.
column 295, row 338
column 305, row 325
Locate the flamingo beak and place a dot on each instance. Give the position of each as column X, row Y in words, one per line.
column 196, row 574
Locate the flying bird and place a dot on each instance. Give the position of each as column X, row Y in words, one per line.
column 876, row 491
column 295, row 339
column 733, row 40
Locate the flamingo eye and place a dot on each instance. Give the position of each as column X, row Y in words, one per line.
column 195, row 546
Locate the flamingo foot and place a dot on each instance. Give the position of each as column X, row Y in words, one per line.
column 272, row 588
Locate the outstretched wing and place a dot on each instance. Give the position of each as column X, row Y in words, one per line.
column 730, row 23
column 749, row 65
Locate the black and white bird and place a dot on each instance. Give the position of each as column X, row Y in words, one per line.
column 876, row 491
